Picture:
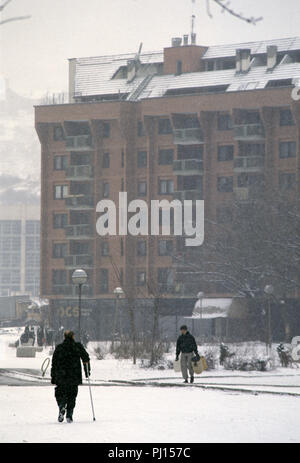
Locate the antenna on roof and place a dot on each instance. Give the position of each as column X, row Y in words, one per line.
column 137, row 56
column 193, row 34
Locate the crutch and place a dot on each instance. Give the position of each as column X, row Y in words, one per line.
column 86, row 369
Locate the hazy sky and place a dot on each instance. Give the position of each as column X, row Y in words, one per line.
column 35, row 52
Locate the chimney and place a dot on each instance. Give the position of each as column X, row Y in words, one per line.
column 186, row 39
column 176, row 41
column 193, row 38
column 271, row 56
column 243, row 57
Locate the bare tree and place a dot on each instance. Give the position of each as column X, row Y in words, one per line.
column 129, row 294
column 3, row 5
column 226, row 7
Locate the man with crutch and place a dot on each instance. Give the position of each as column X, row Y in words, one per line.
column 66, row 374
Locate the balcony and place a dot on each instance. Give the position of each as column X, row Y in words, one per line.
column 188, row 167
column 79, row 173
column 249, row 132
column 249, row 164
column 84, row 261
column 78, row 231
column 80, row 202
column 186, row 195
column 79, row 142
column 192, row 136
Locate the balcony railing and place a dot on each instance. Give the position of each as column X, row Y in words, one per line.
column 188, row 136
column 79, row 142
column 249, row 132
column 188, row 167
column 79, row 172
column 248, row 163
column 78, row 231
column 80, row 202
column 84, row 261
column 192, row 195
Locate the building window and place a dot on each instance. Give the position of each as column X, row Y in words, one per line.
column 141, row 248
column 164, row 126
column 165, row 187
column 59, row 277
column 142, row 159
column 106, row 130
column 224, row 122
column 165, row 280
column 61, row 191
column 165, row 247
column 286, row 117
column 140, row 129
column 142, row 188
column 60, row 220
column 165, row 157
column 225, row 153
column 141, row 278
column 78, row 248
column 287, row 149
column 105, row 190
column 58, row 133
column 59, row 250
column 32, row 227
column 60, row 162
column 104, row 286
column 105, row 248
column 287, row 181
column 225, row 184
column 105, row 161
column 252, row 149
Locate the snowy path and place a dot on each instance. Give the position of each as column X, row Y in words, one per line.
column 149, row 415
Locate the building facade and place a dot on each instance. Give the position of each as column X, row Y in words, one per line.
column 189, row 123
column 19, row 250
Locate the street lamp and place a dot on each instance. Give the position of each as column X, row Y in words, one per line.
column 269, row 290
column 79, row 277
column 118, row 292
column 200, row 297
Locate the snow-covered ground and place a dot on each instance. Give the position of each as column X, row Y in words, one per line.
column 136, row 414
column 151, row 413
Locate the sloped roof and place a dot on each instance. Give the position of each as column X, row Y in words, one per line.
column 223, row 51
column 94, row 75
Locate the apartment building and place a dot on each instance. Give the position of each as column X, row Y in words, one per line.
column 190, row 122
column 19, row 250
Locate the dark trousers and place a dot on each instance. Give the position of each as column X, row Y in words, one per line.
column 65, row 395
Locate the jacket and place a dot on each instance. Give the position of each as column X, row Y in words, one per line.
column 66, row 363
column 186, row 344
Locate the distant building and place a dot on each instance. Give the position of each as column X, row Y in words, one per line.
column 19, row 250
column 190, row 122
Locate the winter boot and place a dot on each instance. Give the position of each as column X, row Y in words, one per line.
column 61, row 414
column 70, row 416
column 185, row 381
column 192, row 379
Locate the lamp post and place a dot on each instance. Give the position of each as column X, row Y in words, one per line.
column 269, row 290
column 200, row 297
column 118, row 293
column 79, row 277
